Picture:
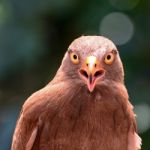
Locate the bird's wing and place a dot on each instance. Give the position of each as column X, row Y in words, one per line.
column 29, row 123
column 27, row 127
column 20, row 140
column 134, row 141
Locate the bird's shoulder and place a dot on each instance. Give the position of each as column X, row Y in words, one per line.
column 48, row 97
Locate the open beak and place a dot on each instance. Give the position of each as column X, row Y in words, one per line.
column 91, row 72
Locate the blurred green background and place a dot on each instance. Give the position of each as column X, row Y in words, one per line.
column 34, row 34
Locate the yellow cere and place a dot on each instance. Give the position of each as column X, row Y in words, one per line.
column 91, row 61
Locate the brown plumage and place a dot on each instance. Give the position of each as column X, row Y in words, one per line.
column 85, row 106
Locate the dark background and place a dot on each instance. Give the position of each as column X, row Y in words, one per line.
column 34, row 35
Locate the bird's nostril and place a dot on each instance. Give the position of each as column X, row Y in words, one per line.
column 84, row 73
column 98, row 73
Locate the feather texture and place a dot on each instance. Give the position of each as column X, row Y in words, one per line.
column 64, row 115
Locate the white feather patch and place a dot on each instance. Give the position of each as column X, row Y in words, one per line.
column 134, row 141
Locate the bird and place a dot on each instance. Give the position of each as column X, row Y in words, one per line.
column 85, row 107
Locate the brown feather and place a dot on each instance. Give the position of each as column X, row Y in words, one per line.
column 64, row 115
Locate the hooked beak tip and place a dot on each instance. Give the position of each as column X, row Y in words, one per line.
column 91, row 84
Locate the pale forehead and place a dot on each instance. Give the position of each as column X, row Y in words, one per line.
column 92, row 43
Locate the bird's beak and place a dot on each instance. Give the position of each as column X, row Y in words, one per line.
column 91, row 71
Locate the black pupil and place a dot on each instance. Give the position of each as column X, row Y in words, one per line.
column 108, row 57
column 75, row 56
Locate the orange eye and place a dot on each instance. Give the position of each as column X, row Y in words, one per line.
column 109, row 58
column 74, row 58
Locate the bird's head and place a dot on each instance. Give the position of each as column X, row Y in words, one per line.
column 92, row 61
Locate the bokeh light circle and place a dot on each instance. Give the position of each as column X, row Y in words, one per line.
column 124, row 4
column 143, row 117
column 118, row 27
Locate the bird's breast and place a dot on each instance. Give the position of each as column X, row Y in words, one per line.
column 87, row 122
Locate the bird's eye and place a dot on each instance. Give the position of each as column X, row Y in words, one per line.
column 109, row 58
column 74, row 58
